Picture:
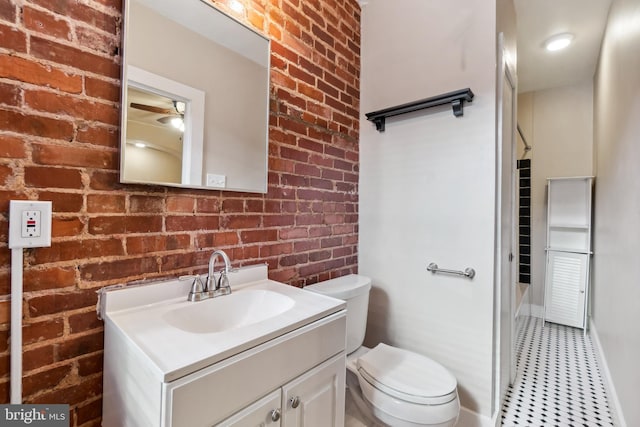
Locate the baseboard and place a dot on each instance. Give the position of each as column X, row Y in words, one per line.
column 469, row 418
column 616, row 409
column 534, row 310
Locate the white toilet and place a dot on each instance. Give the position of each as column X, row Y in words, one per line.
column 394, row 387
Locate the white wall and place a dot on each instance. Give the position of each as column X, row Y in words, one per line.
column 427, row 185
column 616, row 279
column 558, row 124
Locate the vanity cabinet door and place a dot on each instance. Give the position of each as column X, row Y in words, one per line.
column 316, row 398
column 265, row 412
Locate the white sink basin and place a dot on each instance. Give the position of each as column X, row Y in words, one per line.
column 179, row 337
column 228, row 312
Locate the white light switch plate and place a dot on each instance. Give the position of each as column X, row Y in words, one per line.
column 216, row 180
column 29, row 224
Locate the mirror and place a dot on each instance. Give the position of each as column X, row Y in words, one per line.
column 196, row 99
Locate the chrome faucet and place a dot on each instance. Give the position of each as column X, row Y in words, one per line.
column 220, row 287
column 211, row 288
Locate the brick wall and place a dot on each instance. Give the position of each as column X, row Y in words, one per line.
column 59, row 110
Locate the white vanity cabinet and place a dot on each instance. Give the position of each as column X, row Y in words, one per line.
column 287, row 369
column 315, row 399
column 239, row 384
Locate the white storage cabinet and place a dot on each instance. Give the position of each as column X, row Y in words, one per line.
column 568, row 250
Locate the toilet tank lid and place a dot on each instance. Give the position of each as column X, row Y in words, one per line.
column 343, row 287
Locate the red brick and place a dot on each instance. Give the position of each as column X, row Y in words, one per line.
column 70, row 394
column 146, row 204
column 88, row 412
column 208, row 205
column 70, row 250
column 48, row 278
column 6, row 171
column 35, row 125
column 82, row 322
column 73, row 156
column 9, row 94
column 42, row 331
column 178, row 261
column 4, row 341
column 232, row 205
column 102, row 89
column 37, row 357
column 13, row 38
column 103, row 180
column 240, row 221
column 73, row 57
column 97, row 40
column 63, row 202
column 72, row 106
column 258, row 236
column 212, row 240
column 81, row 12
column 63, row 227
column 52, row 177
column 46, row 23
column 24, row 70
column 8, row 11
column 60, row 302
column 97, row 134
column 45, row 380
column 125, row 224
column 102, row 203
column 278, row 221
column 90, row 365
column 184, row 223
column 110, row 270
column 277, row 249
column 295, row 259
column 150, row 244
column 180, row 204
column 12, row 147
column 306, row 245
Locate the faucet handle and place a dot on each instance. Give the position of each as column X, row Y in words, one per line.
column 223, row 287
column 197, row 291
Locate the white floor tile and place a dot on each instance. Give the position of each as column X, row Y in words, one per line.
column 558, row 380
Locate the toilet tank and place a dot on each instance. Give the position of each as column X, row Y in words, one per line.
column 354, row 290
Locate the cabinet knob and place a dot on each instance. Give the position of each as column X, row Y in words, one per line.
column 275, row 415
column 295, row 402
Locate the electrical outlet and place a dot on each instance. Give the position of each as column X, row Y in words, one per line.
column 29, row 224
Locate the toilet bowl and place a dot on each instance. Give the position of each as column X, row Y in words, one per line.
column 392, row 386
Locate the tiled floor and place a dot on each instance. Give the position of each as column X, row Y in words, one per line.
column 558, row 381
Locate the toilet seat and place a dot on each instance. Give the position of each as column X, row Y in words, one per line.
column 407, row 376
column 408, row 389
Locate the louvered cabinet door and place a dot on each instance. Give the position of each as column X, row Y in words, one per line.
column 566, row 288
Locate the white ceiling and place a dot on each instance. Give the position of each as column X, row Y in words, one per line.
column 540, row 19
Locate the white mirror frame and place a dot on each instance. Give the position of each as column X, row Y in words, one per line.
column 193, row 136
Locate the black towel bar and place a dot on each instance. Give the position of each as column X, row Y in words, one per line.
column 456, row 98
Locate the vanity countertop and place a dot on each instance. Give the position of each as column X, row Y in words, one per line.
column 143, row 315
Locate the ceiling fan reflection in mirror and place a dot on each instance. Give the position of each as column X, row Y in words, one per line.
column 173, row 116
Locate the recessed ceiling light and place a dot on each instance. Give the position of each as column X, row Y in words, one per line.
column 140, row 144
column 558, row 42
